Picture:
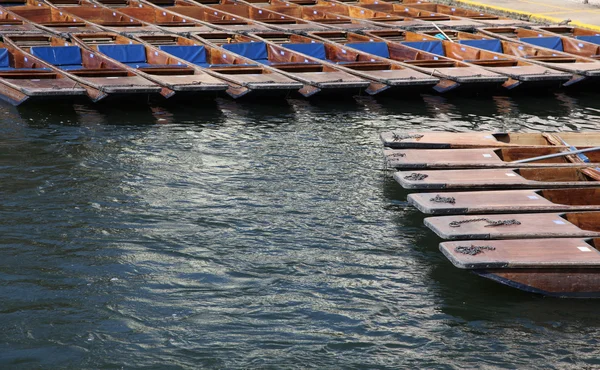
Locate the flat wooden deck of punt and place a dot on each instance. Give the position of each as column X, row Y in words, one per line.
column 524, row 253
column 46, row 87
column 532, row 225
column 530, row 73
column 457, row 140
column 507, row 201
column 331, row 78
column 491, row 179
column 479, row 158
column 395, row 77
column 272, row 80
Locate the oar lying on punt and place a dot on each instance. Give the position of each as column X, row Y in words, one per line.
column 521, row 157
column 177, row 78
column 101, row 77
column 507, row 201
column 519, row 178
column 25, row 78
column 453, row 75
column 458, row 140
column 517, row 225
column 565, row 267
column 318, row 78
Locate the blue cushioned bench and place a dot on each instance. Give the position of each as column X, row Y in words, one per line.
column 554, row 43
column 195, row 54
column 64, row 57
column 256, row 51
column 313, row 49
column 489, row 45
column 376, row 48
column 434, row 47
column 592, row 39
column 133, row 55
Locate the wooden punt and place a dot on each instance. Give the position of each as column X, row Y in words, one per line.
column 244, row 77
column 427, row 9
column 587, row 65
column 517, row 226
column 50, row 19
column 396, row 15
column 387, row 77
column 548, row 58
column 283, row 18
column 163, row 18
column 176, row 77
column 373, row 18
column 13, row 23
column 518, row 178
column 215, row 18
column 458, row 140
column 309, row 11
column 521, row 73
column 101, row 77
column 26, row 79
column 318, row 78
column 108, row 19
column 454, row 75
column 565, row 267
column 411, row 159
column 507, row 201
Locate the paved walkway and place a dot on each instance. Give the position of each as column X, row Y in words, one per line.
column 544, row 11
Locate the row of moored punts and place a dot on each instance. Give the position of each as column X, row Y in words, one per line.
column 115, row 50
column 522, row 209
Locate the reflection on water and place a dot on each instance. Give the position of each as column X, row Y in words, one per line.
column 255, row 235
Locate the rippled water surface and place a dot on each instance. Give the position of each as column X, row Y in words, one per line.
column 244, row 235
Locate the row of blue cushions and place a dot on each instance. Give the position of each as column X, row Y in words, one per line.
column 258, row 50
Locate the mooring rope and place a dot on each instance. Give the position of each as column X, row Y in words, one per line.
column 416, row 176
column 491, row 223
column 440, row 199
column 473, row 249
column 400, row 137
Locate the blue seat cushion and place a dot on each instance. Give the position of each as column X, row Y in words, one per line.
column 554, row 43
column 58, row 55
column 195, row 54
column 252, row 50
column 592, row 39
column 313, row 49
column 489, row 45
column 434, row 47
column 126, row 53
column 377, row 48
column 4, row 62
